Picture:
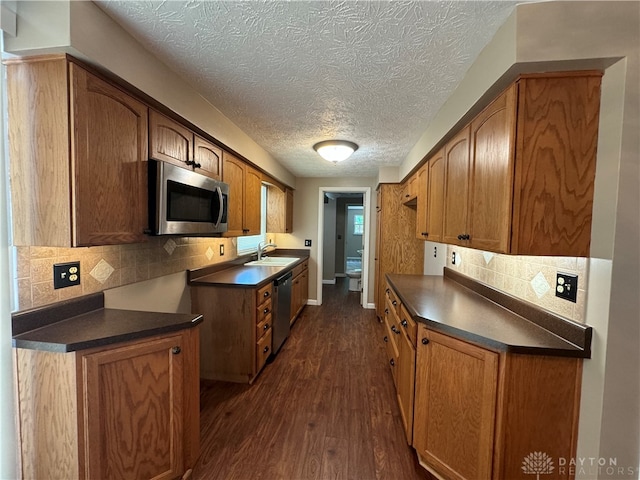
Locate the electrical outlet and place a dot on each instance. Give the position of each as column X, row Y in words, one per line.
column 307, row 243
column 435, row 252
column 221, row 250
column 453, row 258
column 66, row 274
column 567, row 286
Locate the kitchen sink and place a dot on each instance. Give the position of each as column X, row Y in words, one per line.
column 273, row 261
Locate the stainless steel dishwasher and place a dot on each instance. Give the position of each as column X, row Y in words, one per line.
column 281, row 326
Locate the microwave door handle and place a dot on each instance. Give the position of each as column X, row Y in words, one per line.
column 221, row 209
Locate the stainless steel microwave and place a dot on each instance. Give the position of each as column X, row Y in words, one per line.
column 183, row 202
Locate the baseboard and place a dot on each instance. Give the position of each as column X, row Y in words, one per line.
column 312, row 301
column 370, row 306
column 329, row 282
column 341, row 275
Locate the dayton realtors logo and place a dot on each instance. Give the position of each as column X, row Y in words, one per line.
column 537, row 463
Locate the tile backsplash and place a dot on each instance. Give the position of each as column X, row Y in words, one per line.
column 111, row 266
column 529, row 278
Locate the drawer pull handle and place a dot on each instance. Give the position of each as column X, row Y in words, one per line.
column 394, row 303
column 386, row 310
column 395, row 330
column 392, row 362
column 266, row 294
column 425, row 341
column 266, row 349
column 266, row 326
column 404, row 323
column 266, row 310
column 176, row 350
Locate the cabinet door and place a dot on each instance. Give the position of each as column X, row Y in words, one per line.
column 133, row 410
column 233, row 174
column 405, row 382
column 168, row 140
column 491, row 184
column 435, row 203
column 422, row 206
column 252, row 201
column 207, row 158
column 109, row 162
column 455, row 398
column 456, row 163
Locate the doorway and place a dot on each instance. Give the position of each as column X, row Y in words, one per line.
column 343, row 236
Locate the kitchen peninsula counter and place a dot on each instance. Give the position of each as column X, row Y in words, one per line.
column 84, row 323
column 461, row 307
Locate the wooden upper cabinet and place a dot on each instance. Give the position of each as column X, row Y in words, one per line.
column 435, row 199
column 207, row 158
column 410, row 190
column 172, row 142
column 491, row 174
column 456, row 186
column 78, row 156
column 252, row 201
column 422, row 204
column 525, row 183
column 279, row 209
column 556, row 141
column 245, row 183
column 169, row 141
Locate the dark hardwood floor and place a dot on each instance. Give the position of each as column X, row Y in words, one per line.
column 324, row 409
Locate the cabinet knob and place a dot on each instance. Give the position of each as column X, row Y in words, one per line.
column 404, row 323
column 386, row 310
column 386, row 291
column 407, row 195
column 176, row 350
column 395, row 330
column 394, row 303
column 425, row 234
column 266, row 310
column 266, row 349
column 190, row 162
column 392, row 362
column 386, row 339
column 197, row 165
column 459, row 237
column 266, row 326
column 425, row 341
column 464, row 236
column 266, row 294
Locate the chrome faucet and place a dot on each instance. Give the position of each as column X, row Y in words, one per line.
column 262, row 248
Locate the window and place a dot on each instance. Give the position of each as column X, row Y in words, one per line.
column 358, row 224
column 250, row 244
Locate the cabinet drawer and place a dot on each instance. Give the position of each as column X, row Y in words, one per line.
column 263, row 293
column 393, row 300
column 408, row 324
column 263, row 327
column 263, row 310
column 298, row 269
column 263, row 350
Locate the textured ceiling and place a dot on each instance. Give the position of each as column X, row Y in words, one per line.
column 291, row 74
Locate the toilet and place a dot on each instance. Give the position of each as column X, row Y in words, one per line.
column 355, row 279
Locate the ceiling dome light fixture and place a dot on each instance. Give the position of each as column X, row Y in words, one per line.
column 335, row 150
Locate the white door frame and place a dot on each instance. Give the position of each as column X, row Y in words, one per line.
column 366, row 191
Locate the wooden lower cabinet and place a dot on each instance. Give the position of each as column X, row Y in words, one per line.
column 299, row 289
column 399, row 340
column 126, row 411
column 236, row 331
column 479, row 414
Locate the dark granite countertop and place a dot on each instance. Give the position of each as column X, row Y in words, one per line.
column 83, row 323
column 443, row 304
column 238, row 275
